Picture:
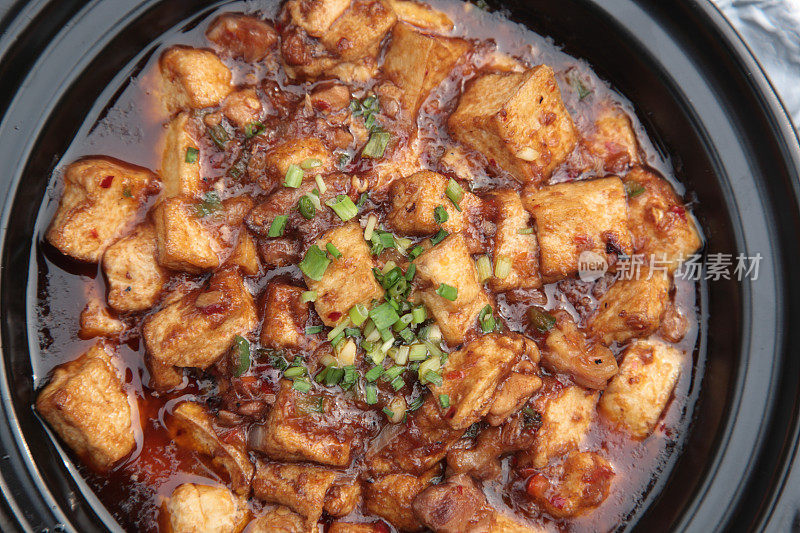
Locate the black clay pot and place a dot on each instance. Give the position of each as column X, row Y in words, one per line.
column 697, row 90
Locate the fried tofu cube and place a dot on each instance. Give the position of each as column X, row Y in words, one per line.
column 663, row 229
column 315, row 16
column 390, row 497
column 180, row 161
column 294, row 152
column 278, row 520
column 135, row 279
column 414, row 199
column 578, row 485
column 86, row 404
column 184, row 241
column 196, row 330
column 514, row 392
column 612, row 139
column 577, row 217
column 358, row 32
column 101, row 199
column 421, row 15
column 348, row 280
column 566, row 417
column 285, row 317
column 417, row 62
column 193, row 428
column 473, row 373
column 282, row 437
column 518, row 121
column 242, row 107
column 193, row 79
column 520, row 249
column 449, row 263
column 245, row 255
column 194, row 508
column 632, row 307
column 242, row 36
column 97, row 321
column 588, row 362
column 301, row 488
column 635, row 399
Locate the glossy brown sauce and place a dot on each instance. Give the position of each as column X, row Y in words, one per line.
column 131, row 130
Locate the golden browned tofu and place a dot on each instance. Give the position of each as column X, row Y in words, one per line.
column 242, row 107
column 390, row 497
column 196, row 330
column 285, row 317
column 635, row 399
column 245, row 255
column 315, row 16
column 417, row 62
column 135, row 279
column 473, row 373
column 180, row 161
column 97, row 321
column 358, row 32
column 348, row 280
column 343, row 498
column 193, row 428
column 578, row 485
column 101, row 199
column 576, row 217
column 421, row 15
column 414, row 198
column 294, row 152
column 566, row 417
column 449, row 262
column 291, row 434
column 632, row 307
column 299, row 487
column 278, row 520
column 612, row 139
column 242, row 36
column 518, row 121
column 184, row 241
column 519, row 249
column 194, row 508
column 588, row 362
column 193, row 79
column 86, row 404
column 663, row 229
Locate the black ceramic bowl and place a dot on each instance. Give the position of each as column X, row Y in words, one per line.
column 699, row 93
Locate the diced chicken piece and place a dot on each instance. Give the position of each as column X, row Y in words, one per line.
column 279, row 520
column 193, row 428
column 245, row 255
column 417, row 62
column 304, row 57
column 421, row 15
column 414, row 198
column 285, row 317
column 279, row 252
column 358, row 32
column 101, row 199
column 566, row 416
column 97, row 321
column 180, row 161
column 635, row 399
column 517, row 388
column 473, row 373
column 315, row 16
column 194, row 508
column 518, row 121
column 588, row 362
column 612, row 139
column 348, row 280
column 449, row 262
column 289, row 434
column 674, row 324
column 184, row 241
column 390, row 497
column 135, row 279
column 576, row 217
column 294, row 152
column 193, row 79
column 520, row 249
column 363, row 527
column 343, row 498
column 242, row 107
column 242, row 36
column 632, row 307
column 483, row 460
column 300, row 487
column 663, row 229
column 578, row 485
column 196, row 330
column 86, row 404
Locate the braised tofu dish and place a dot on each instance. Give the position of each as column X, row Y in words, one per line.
column 366, row 266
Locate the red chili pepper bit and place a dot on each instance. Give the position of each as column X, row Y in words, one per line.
column 679, row 210
column 381, row 527
column 106, row 182
column 451, row 412
column 454, row 374
column 212, row 309
column 94, row 234
column 335, row 316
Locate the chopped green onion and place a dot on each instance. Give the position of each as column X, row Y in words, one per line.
column 311, row 162
column 429, row 365
column 376, row 146
column 340, row 327
column 502, row 267
column 404, row 321
column 412, row 270
column 313, row 330
column 439, row 237
column 308, row 296
column 388, row 412
column 433, row 377
column 386, row 336
column 253, row 129
column 398, row 383
column 541, row 319
column 417, row 352
column 362, row 199
column 440, row 215
column 418, row 315
column 486, row 319
column 302, row 385
column 416, row 251
column 407, row 335
column 525, row 231
column 350, row 377
column 337, row 340
column 401, row 357
column 208, row 205
column 238, row 168
column 219, row 135
column 367, row 346
column 393, row 372
column 415, row 404
column 386, row 239
column 321, row 184
column 294, row 176
column 633, row 189
column 277, row 226
column 306, row 207
column 314, row 263
column 191, row 155
column 444, row 401
column 373, row 373
column 447, row 292
column 343, row 206
column 352, row 332
column 243, row 352
column 435, row 350
column 384, row 316
column 358, row 314
column 454, row 192
column 321, row 375
column 294, row 371
column 334, row 376
column 278, row 362
column 371, row 393
column 333, row 250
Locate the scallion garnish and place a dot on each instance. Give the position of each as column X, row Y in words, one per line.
column 439, row 237
column 343, row 206
column 447, row 292
column 191, row 155
column 349, row 378
column 634, row 189
column 444, row 401
column 333, row 250
column 208, row 205
column 384, row 316
column 314, row 263
column 433, row 377
column 454, row 192
column 416, row 251
column 373, row 373
column 486, row 319
column 440, row 215
column 358, row 314
column 243, row 353
column 301, row 385
column 277, row 226
column 502, row 267
column 308, row 296
column 306, row 207
column 376, row 146
column 253, row 129
column 294, row 176
column 541, row 319
column 313, row 330
column 311, row 162
column 370, row 393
